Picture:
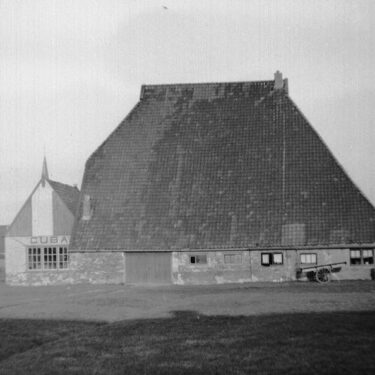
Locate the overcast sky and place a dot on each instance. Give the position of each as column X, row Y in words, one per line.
column 71, row 70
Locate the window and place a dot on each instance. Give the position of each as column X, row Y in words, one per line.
column 47, row 258
column 34, row 260
column 50, row 258
column 308, row 258
column 232, row 258
column 63, row 258
column 272, row 258
column 361, row 256
column 198, row 259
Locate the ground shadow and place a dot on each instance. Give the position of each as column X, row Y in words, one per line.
column 192, row 343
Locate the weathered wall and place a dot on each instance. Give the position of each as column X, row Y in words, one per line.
column 109, row 267
column 274, row 272
column 251, row 268
column 95, row 268
column 98, row 267
column 215, row 271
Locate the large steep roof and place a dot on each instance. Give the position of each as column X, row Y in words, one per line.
column 217, row 165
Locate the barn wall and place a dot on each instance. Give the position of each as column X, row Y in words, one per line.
column 348, row 272
column 251, row 268
column 109, row 267
column 214, row 272
column 284, row 272
column 98, row 267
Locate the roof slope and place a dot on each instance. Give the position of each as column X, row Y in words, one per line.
column 216, row 165
column 68, row 194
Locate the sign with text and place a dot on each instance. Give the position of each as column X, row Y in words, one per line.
column 49, row 240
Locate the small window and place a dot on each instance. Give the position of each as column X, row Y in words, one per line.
column 63, row 257
column 198, row 259
column 233, row 258
column 308, row 258
column 368, row 256
column 50, row 258
column 272, row 258
column 34, row 258
column 361, row 256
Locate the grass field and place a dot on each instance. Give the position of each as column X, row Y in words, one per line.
column 189, row 343
column 289, row 328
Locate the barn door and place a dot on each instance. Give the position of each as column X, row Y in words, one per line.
column 148, row 268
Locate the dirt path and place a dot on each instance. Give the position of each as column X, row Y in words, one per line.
column 117, row 302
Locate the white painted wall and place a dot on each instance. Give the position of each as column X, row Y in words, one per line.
column 16, row 259
column 42, row 211
column 15, row 255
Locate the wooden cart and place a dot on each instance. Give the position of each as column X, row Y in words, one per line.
column 321, row 273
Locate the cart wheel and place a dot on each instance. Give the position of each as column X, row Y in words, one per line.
column 323, row 275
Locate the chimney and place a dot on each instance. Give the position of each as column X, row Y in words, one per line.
column 87, row 211
column 279, row 83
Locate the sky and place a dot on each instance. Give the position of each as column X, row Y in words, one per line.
column 70, row 71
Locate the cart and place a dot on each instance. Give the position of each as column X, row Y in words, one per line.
column 321, row 273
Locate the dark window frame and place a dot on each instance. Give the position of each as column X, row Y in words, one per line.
column 198, row 259
column 361, row 260
column 271, row 260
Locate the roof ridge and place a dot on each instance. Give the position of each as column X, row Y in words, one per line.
column 205, row 83
column 61, row 183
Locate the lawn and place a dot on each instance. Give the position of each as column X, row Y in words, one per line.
column 191, row 343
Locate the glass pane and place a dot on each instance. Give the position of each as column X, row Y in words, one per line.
column 355, row 254
column 278, row 258
column 367, row 253
column 355, row 260
column 368, row 256
column 265, row 258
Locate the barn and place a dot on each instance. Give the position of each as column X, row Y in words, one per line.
column 214, row 183
column 36, row 242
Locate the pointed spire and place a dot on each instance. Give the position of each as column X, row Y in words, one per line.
column 44, row 170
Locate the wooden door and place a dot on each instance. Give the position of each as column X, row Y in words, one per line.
column 148, row 268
